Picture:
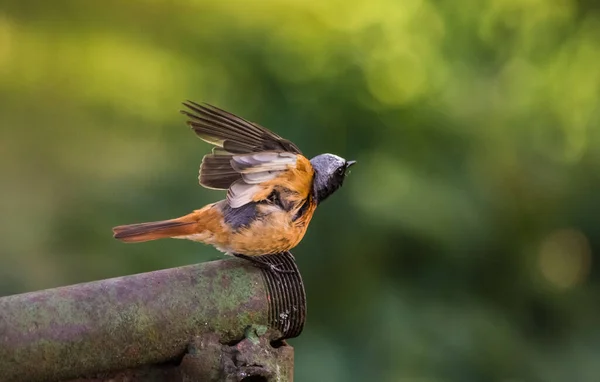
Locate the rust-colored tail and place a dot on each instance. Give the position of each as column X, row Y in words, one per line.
column 136, row 233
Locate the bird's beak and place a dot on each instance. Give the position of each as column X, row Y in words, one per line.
column 350, row 163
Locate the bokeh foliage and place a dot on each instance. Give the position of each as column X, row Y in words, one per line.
column 462, row 246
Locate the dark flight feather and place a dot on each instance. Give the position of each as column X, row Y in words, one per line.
column 216, row 172
column 240, row 135
column 233, row 136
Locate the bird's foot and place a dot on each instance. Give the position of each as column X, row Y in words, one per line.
column 263, row 264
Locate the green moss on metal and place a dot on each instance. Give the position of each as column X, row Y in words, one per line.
column 253, row 332
column 125, row 322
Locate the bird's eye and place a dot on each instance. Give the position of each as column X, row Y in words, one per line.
column 341, row 170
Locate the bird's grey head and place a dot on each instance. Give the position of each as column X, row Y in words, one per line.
column 330, row 172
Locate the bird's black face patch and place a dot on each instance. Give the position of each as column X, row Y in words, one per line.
column 330, row 172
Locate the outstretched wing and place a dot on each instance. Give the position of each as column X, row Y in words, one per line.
column 232, row 133
column 246, row 157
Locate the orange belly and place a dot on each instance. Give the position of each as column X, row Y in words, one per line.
column 273, row 232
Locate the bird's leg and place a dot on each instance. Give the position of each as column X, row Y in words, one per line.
column 263, row 264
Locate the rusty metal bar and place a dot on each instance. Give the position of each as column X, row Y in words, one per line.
column 145, row 319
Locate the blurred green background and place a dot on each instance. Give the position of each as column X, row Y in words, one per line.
column 461, row 247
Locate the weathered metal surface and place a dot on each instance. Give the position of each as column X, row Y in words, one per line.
column 287, row 296
column 143, row 319
column 208, row 360
column 151, row 373
column 252, row 359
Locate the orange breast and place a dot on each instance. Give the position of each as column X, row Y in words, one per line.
column 274, row 233
column 298, row 180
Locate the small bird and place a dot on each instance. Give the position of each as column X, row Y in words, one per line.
column 272, row 189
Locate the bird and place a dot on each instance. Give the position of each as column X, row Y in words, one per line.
column 272, row 189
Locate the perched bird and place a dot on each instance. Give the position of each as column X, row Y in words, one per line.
column 272, row 189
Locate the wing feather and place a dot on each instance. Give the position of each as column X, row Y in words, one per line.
column 255, row 169
column 241, row 193
column 232, row 136
column 246, row 155
column 224, row 129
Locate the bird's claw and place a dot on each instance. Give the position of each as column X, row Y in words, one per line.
column 276, row 269
column 264, row 265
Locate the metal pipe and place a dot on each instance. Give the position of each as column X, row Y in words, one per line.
column 144, row 319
